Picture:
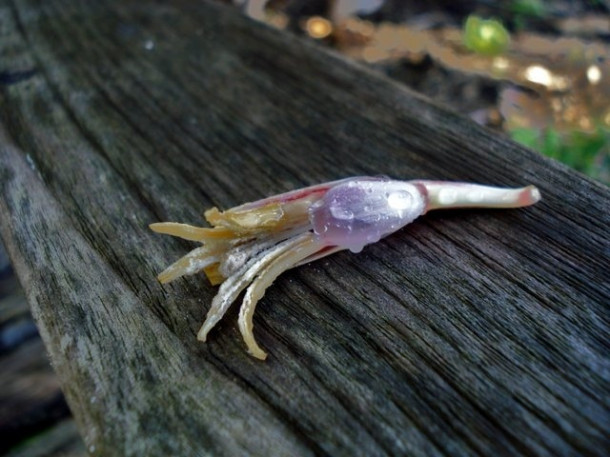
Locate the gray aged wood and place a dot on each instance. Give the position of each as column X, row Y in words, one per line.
column 31, row 401
column 475, row 332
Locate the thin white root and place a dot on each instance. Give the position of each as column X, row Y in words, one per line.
column 191, row 263
column 281, row 263
column 232, row 286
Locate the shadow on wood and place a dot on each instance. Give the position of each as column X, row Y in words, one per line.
column 473, row 332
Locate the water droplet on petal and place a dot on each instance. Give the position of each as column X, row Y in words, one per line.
column 340, row 212
column 400, row 200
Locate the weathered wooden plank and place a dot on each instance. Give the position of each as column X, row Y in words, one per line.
column 475, row 332
column 61, row 440
column 30, row 400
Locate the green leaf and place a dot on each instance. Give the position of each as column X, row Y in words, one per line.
column 485, row 36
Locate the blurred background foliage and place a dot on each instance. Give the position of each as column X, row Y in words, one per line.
column 537, row 71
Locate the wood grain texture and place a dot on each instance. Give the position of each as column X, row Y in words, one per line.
column 31, row 399
column 476, row 332
column 31, row 402
column 60, row 440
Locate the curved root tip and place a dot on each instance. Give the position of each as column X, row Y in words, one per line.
column 202, row 334
column 257, row 352
column 246, row 327
column 253, row 349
